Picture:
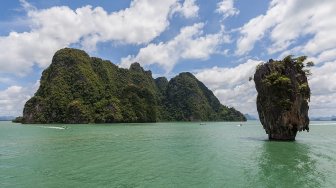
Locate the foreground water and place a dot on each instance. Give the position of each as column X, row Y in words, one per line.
column 165, row 155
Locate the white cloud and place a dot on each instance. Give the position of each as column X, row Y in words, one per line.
column 26, row 5
column 323, row 88
column 241, row 97
column 325, row 56
column 58, row 27
column 226, row 8
column 219, row 77
column 189, row 9
column 323, row 80
column 300, row 27
column 288, row 20
column 14, row 97
column 4, row 80
column 256, row 28
column 232, row 85
column 190, row 43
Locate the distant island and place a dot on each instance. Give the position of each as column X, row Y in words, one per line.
column 77, row 88
column 324, row 118
column 6, row 118
column 250, row 117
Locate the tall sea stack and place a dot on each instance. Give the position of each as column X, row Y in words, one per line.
column 283, row 96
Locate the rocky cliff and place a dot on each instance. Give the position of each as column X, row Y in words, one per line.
column 77, row 88
column 283, row 96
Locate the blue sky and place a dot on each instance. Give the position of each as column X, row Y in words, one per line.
column 220, row 41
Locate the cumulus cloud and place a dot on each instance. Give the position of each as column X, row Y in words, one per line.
column 189, row 9
column 232, row 86
column 288, row 20
column 323, row 80
column 323, row 88
column 325, row 56
column 256, row 28
column 14, row 97
column 5, row 80
column 190, row 43
column 302, row 28
column 226, row 8
column 58, row 27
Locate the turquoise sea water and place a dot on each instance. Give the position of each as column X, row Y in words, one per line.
column 165, row 155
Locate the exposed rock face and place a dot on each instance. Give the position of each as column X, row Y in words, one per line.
column 283, row 95
column 77, row 88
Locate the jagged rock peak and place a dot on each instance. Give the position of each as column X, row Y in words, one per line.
column 70, row 55
column 136, row 67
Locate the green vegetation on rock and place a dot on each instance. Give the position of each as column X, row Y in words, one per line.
column 18, row 119
column 77, row 88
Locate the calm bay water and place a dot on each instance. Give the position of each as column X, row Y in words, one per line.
column 165, row 155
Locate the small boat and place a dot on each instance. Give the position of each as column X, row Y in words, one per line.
column 202, row 124
column 51, row 127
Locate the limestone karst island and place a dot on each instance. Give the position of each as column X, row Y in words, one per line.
column 77, row 88
column 283, row 96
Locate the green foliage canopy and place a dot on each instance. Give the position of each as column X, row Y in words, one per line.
column 77, row 88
